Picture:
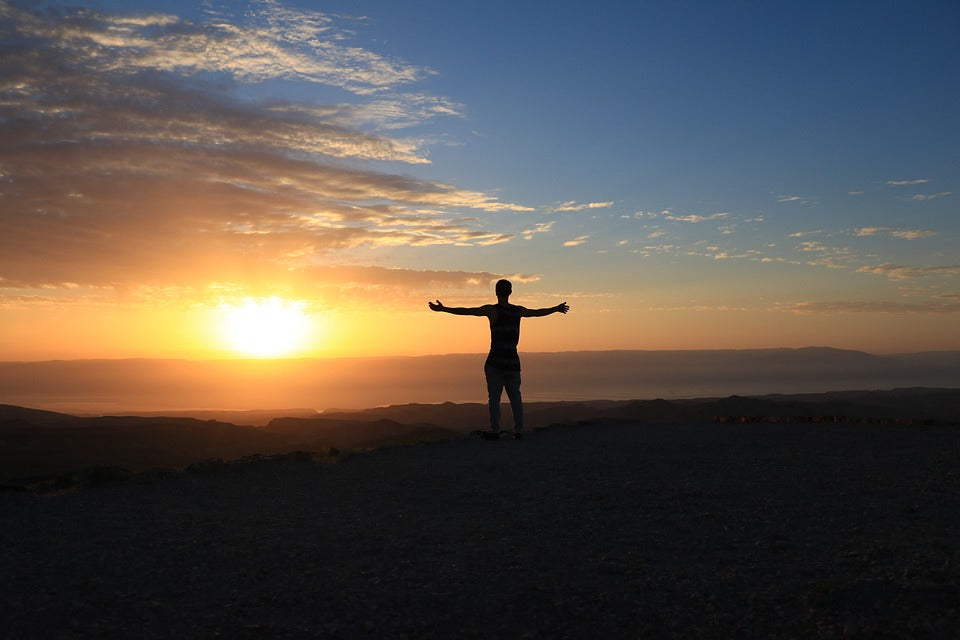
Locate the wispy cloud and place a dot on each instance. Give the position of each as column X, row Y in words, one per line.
column 931, row 306
column 131, row 159
column 270, row 42
column 395, row 111
column 651, row 214
column 695, row 218
column 576, row 241
column 923, row 197
column 905, row 234
column 792, row 198
column 901, row 272
column 572, row 205
column 904, row 183
column 913, row 234
column 327, row 286
column 542, row 227
column 871, row 231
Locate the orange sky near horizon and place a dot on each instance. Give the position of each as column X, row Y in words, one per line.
column 199, row 333
column 167, row 169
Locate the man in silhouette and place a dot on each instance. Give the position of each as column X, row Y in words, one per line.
column 502, row 367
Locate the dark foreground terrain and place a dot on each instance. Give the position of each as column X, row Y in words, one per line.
column 37, row 447
column 607, row 531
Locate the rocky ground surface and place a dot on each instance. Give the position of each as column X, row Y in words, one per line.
column 608, row 531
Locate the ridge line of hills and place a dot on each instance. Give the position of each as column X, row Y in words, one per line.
column 36, row 443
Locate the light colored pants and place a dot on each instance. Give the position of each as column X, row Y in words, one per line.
column 497, row 381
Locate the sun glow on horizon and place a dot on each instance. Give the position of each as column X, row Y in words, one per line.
column 266, row 327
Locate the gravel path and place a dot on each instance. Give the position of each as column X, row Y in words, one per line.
column 607, row 531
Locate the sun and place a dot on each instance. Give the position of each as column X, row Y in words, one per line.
column 265, row 327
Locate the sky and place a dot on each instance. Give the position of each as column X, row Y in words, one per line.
column 281, row 177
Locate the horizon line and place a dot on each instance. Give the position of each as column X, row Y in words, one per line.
column 466, row 353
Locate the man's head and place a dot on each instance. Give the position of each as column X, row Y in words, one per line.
column 504, row 288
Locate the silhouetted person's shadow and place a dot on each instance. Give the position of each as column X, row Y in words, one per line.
column 502, row 367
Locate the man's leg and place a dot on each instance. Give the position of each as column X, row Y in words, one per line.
column 512, row 384
column 494, row 390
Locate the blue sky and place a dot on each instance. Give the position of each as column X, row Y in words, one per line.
column 686, row 174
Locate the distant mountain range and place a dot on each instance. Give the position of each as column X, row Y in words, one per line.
column 37, row 444
column 95, row 387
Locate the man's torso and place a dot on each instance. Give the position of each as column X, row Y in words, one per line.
column 504, row 337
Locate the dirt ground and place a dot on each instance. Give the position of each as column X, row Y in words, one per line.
column 607, row 531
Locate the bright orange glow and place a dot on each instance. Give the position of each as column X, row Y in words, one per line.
column 266, row 328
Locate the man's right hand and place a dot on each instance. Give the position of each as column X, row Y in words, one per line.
column 436, row 306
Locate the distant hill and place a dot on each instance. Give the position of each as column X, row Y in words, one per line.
column 47, row 448
column 938, row 405
column 11, row 413
column 249, row 417
column 131, row 442
column 37, row 444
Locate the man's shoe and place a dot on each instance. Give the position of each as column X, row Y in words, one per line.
column 491, row 435
column 517, row 435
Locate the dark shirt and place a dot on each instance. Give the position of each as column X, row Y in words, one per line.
column 504, row 337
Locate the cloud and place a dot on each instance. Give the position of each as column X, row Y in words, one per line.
column 872, row 307
column 269, row 42
column 542, row 227
column 651, row 214
column 333, row 286
column 903, row 183
column 571, row 205
column 60, row 90
column 871, row 231
column 411, row 279
column 923, row 197
column 913, row 234
column 900, row 272
column 127, row 165
column 694, row 218
column 785, row 198
column 396, row 111
column 576, row 241
column 905, row 234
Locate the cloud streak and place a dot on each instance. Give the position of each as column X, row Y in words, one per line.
column 576, row 241
column 572, row 205
column 274, row 42
column 905, row 234
column 696, row 218
column 131, row 158
column 901, row 272
column 924, row 197
column 879, row 306
column 904, row 183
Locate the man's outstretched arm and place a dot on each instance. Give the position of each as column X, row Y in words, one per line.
column 563, row 307
column 485, row 310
